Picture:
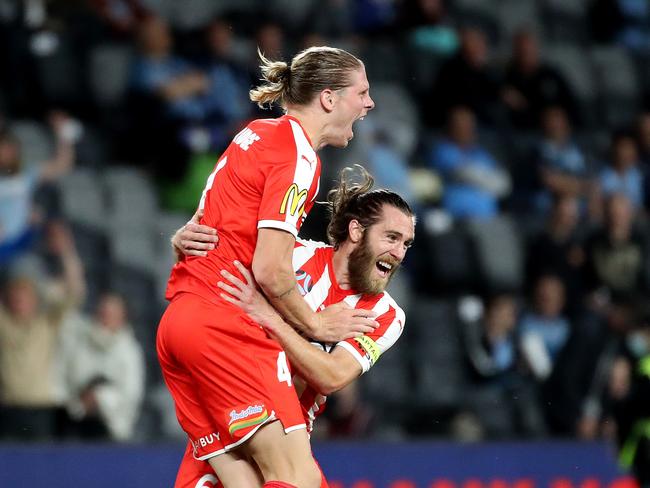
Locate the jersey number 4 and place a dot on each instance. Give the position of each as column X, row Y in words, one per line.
column 284, row 375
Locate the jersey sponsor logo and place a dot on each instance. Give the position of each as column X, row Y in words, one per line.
column 305, row 282
column 307, row 159
column 204, row 441
column 370, row 348
column 246, row 417
column 206, row 481
column 246, row 138
column 294, row 201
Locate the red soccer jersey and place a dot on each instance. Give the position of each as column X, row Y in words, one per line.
column 267, row 177
column 312, row 262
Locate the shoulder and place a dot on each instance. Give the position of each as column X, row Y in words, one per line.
column 387, row 309
column 305, row 251
column 309, row 244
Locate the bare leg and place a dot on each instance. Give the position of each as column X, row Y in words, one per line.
column 235, row 470
column 284, row 457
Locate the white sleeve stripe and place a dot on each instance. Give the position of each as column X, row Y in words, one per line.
column 278, row 224
column 301, row 255
column 390, row 336
column 365, row 364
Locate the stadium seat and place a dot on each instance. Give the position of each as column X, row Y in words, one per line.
column 60, row 75
column 132, row 198
column 565, row 20
column 374, row 56
column 437, row 356
column 447, row 260
column 83, row 198
column 133, row 247
column 396, row 114
column 577, row 69
column 109, row 73
column 35, row 142
column 616, row 78
column 499, row 252
column 513, row 15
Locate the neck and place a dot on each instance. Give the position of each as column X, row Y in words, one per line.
column 340, row 264
column 311, row 122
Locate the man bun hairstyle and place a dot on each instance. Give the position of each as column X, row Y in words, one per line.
column 358, row 201
column 310, row 72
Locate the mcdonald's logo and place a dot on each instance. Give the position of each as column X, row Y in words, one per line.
column 294, row 201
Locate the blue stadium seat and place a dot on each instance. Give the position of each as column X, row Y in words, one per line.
column 619, row 89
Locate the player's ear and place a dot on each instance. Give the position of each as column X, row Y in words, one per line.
column 327, row 99
column 355, row 231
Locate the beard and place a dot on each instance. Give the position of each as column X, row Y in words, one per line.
column 362, row 265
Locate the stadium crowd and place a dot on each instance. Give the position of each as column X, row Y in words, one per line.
column 519, row 130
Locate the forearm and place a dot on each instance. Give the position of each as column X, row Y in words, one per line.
column 318, row 368
column 73, row 275
column 273, row 270
column 282, row 293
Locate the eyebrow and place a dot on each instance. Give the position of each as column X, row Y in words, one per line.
column 398, row 233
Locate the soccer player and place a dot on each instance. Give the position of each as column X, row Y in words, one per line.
column 216, row 366
column 369, row 232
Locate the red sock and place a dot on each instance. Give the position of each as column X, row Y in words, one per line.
column 278, row 484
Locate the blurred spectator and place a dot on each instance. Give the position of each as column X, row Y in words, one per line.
column 122, row 16
column 531, row 85
column 427, row 26
column 544, row 330
column 226, row 101
column 504, row 403
column 19, row 184
column 331, row 19
column 166, row 92
column 623, row 175
column 626, row 22
column 617, row 254
column 473, row 181
column 558, row 250
column 466, row 79
column 104, row 372
column 159, row 72
column 643, row 145
column 31, row 316
column 561, row 165
column 627, row 396
column 269, row 39
column 643, row 138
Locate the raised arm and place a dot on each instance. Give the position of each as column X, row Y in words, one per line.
column 66, row 132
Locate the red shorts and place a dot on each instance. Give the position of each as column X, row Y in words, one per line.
column 199, row 474
column 226, row 376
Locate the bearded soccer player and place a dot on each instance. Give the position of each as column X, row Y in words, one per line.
column 260, row 191
column 370, row 232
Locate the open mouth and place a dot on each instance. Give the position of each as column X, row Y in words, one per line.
column 384, row 268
